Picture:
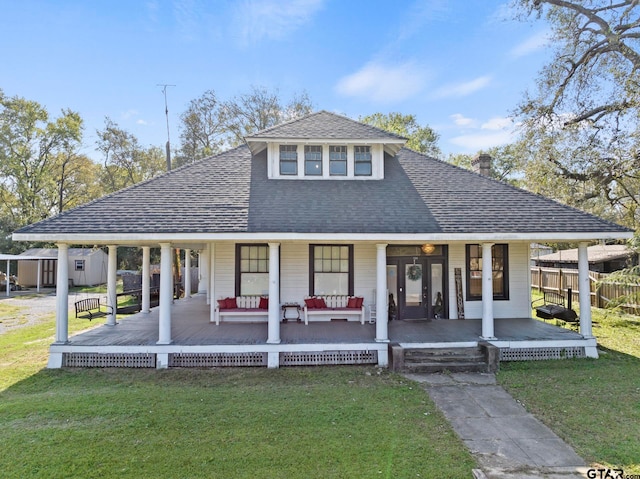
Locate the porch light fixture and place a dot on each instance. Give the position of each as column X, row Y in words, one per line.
column 428, row 248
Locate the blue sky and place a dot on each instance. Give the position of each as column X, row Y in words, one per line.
column 460, row 66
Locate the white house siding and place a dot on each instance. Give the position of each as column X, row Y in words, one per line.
column 294, row 272
column 518, row 305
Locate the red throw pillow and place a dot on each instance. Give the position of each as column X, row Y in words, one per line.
column 359, row 302
column 352, row 303
column 264, row 303
column 222, row 304
column 320, row 304
column 231, row 303
column 310, row 302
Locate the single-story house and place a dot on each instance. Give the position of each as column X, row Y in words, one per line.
column 311, row 237
column 602, row 258
column 86, row 267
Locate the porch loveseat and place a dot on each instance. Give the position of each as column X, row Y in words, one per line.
column 326, row 308
column 242, row 307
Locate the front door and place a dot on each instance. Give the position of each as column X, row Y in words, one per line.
column 48, row 273
column 417, row 287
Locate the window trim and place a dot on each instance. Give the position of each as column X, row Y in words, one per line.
column 311, row 149
column 368, row 161
column 344, row 161
column 504, row 296
column 286, row 148
column 238, row 259
column 312, row 266
column 81, row 263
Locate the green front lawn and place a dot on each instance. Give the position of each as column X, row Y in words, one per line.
column 322, row 422
column 592, row 404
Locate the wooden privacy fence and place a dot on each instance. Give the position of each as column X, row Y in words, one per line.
column 560, row 280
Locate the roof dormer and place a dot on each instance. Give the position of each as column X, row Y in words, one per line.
column 324, row 145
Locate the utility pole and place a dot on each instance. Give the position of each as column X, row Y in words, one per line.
column 176, row 251
column 166, row 112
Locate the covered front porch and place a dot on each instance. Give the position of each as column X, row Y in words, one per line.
column 196, row 342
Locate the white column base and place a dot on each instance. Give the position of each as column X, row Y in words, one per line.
column 273, row 359
column 383, row 358
column 55, row 360
column 591, row 352
column 162, row 360
column 488, row 338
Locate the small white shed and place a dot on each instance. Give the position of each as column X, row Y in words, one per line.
column 87, row 266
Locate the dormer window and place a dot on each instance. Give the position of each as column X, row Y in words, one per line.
column 337, row 160
column 288, row 160
column 313, row 160
column 362, row 158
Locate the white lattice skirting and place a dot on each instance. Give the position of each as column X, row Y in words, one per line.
column 534, row 354
column 205, row 360
column 109, row 360
column 318, row 358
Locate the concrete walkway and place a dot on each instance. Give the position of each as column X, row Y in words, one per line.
column 505, row 439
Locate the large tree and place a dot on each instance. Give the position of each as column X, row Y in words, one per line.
column 125, row 162
column 210, row 125
column 259, row 109
column 581, row 126
column 37, row 154
column 420, row 138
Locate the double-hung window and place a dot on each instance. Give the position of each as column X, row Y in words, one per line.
column 313, row 160
column 362, row 160
column 252, row 269
column 288, row 159
column 337, row 160
column 331, row 269
column 499, row 271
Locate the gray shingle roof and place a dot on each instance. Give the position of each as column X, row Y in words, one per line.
column 230, row 192
column 323, row 124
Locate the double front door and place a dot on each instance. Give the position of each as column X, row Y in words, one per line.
column 417, row 288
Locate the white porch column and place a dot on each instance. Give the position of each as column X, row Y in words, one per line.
column 39, row 275
column 146, row 279
column 187, row 273
column 166, row 294
column 112, row 300
column 62, row 294
column 382, row 306
column 487, row 292
column 8, row 280
column 584, row 291
column 207, row 274
column 202, row 268
column 211, row 282
column 274, row 294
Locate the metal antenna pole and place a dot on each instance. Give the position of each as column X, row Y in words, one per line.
column 166, row 112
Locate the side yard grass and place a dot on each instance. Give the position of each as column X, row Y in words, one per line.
column 328, row 422
column 592, row 404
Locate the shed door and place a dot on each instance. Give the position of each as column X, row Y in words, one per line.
column 48, row 275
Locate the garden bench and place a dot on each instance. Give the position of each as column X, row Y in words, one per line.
column 554, row 306
column 331, row 307
column 242, row 306
column 91, row 308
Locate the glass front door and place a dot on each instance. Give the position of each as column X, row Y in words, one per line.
column 417, row 287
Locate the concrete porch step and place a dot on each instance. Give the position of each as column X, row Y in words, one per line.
column 482, row 358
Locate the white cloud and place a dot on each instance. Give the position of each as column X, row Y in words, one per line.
column 461, row 120
column 497, row 123
column 141, row 122
column 383, row 83
column 272, row 19
column 530, row 45
column 463, row 89
column 129, row 114
column 482, row 141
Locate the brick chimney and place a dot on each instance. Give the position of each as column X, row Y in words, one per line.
column 482, row 164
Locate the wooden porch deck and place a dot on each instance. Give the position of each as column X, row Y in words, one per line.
column 190, row 326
